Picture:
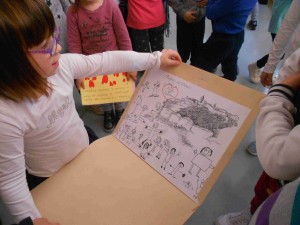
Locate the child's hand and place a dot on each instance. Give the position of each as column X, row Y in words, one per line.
column 202, row 3
column 266, row 79
column 170, row 58
column 43, row 221
column 189, row 16
column 79, row 83
column 132, row 75
column 293, row 81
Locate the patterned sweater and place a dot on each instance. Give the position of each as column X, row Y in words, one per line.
column 281, row 208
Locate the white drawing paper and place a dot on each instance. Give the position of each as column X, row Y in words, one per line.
column 180, row 129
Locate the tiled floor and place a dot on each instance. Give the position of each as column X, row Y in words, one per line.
column 234, row 189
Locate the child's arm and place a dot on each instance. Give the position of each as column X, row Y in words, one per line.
column 115, row 61
column 120, row 30
column 122, row 36
column 73, row 33
column 14, row 192
column 277, row 137
column 74, row 39
column 178, row 7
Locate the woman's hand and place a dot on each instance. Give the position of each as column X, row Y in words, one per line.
column 43, row 221
column 170, row 58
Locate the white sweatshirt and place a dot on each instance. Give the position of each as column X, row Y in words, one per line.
column 277, row 138
column 287, row 39
column 46, row 134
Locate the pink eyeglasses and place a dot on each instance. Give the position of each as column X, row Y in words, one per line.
column 52, row 49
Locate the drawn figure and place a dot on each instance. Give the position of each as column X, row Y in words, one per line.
column 144, row 108
column 145, row 150
column 155, row 89
column 123, row 131
column 154, row 114
column 130, row 135
column 152, row 132
column 138, row 105
column 188, row 185
column 140, row 136
column 201, row 161
column 177, row 169
column 199, row 186
column 170, row 155
column 157, row 142
column 164, row 149
column 145, row 86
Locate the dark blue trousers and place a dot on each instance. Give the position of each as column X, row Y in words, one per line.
column 221, row 49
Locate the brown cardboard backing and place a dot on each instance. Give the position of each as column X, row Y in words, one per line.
column 108, row 184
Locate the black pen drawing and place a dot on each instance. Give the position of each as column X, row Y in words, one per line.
column 180, row 129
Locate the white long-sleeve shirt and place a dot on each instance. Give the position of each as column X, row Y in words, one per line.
column 43, row 135
column 277, row 137
column 287, row 39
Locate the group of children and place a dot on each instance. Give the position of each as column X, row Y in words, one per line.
column 277, row 130
column 41, row 130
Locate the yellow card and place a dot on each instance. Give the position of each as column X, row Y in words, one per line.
column 107, row 89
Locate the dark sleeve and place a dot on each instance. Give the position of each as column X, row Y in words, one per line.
column 26, row 221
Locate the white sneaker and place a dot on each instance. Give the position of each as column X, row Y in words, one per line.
column 240, row 218
column 254, row 73
column 251, row 148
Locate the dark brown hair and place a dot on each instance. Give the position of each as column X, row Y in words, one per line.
column 23, row 25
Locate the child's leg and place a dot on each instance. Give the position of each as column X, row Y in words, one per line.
column 198, row 30
column 140, row 40
column 119, row 109
column 230, row 63
column 108, row 122
column 254, row 13
column 156, row 38
column 264, row 187
column 213, row 52
column 184, row 39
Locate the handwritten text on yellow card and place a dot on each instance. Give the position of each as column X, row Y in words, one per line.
column 107, row 89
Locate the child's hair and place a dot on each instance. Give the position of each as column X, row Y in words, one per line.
column 23, row 25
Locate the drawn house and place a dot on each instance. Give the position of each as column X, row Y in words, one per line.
column 166, row 113
column 175, row 118
column 186, row 123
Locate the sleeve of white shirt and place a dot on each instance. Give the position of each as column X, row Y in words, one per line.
column 109, row 62
column 14, row 190
column 290, row 24
column 290, row 67
column 277, row 138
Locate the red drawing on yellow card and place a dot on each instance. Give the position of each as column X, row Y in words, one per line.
column 107, row 89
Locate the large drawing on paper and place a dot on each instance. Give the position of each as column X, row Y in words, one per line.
column 180, row 129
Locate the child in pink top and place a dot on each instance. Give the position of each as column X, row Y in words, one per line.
column 146, row 21
column 96, row 26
